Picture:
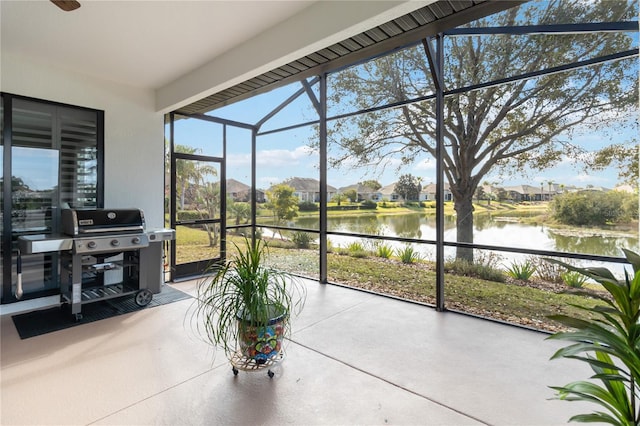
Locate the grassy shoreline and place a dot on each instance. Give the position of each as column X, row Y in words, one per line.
column 531, row 213
column 526, row 303
column 516, row 302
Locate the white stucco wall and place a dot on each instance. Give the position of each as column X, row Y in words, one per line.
column 134, row 132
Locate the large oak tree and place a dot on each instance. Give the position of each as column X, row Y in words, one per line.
column 506, row 128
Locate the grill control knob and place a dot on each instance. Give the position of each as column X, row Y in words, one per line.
column 115, row 243
column 91, row 244
column 135, row 240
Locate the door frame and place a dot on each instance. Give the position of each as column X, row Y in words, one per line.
column 192, row 269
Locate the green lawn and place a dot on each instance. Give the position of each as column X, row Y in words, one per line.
column 519, row 304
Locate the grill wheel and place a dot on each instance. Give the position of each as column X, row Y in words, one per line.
column 143, row 297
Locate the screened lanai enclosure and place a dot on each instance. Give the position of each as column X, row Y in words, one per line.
column 439, row 158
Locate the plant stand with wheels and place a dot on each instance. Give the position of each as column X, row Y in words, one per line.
column 245, row 363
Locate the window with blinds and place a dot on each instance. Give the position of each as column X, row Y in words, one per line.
column 78, row 159
column 55, row 164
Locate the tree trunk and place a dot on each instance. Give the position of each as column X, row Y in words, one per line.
column 212, row 233
column 464, row 226
column 182, row 196
column 212, row 241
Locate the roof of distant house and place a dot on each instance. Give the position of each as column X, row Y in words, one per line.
column 431, row 188
column 388, row 189
column 359, row 188
column 306, row 184
column 234, row 186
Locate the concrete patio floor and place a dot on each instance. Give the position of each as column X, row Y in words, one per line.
column 353, row 358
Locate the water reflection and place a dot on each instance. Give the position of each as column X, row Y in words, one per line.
column 594, row 244
column 406, row 226
column 488, row 229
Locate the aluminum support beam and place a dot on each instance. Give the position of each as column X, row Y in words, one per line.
column 305, row 88
column 172, row 190
column 254, row 192
column 436, row 63
column 323, row 178
column 561, row 29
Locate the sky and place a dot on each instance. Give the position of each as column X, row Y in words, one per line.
column 287, row 154
column 36, row 178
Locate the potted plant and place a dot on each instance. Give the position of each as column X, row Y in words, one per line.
column 244, row 307
column 610, row 344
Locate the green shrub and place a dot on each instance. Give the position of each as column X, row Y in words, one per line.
column 408, row 254
column 307, row 206
column 630, row 206
column 384, row 251
column 356, row 249
column 574, row 279
column 546, row 271
column 487, row 258
column 593, row 207
column 330, row 247
column 521, row 271
column 302, row 239
column 189, row 215
column 388, row 204
column 368, row 205
column 343, row 207
column 278, row 243
column 477, row 270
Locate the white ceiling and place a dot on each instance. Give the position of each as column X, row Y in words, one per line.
column 145, row 44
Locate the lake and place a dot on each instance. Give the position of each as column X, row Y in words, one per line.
column 489, row 229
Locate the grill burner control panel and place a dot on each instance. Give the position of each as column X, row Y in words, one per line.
column 110, row 243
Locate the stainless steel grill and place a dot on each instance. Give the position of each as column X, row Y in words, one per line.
column 104, row 253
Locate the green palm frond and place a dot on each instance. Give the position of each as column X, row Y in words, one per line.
column 610, row 344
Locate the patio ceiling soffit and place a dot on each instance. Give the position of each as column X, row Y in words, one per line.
column 407, row 29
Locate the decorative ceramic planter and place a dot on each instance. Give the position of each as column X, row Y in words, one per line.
column 262, row 342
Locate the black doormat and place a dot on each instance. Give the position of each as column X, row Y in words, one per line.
column 45, row 321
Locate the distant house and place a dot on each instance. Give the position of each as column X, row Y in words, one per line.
column 527, row 193
column 388, row 192
column 363, row 192
column 428, row 193
column 241, row 192
column 238, row 191
column 308, row 189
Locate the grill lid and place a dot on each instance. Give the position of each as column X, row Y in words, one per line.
column 100, row 221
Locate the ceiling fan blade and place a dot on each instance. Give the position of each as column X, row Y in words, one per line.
column 66, row 5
